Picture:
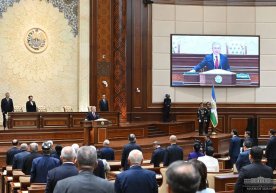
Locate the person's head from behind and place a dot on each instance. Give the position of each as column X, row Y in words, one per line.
column 51, row 143
column 34, row 147
column 234, row 132
column 132, row 138
column 272, row 132
column 256, row 154
column 173, row 139
column 24, row 147
column 76, row 147
column 216, row 48
column 135, row 157
column 87, row 158
column 156, row 144
column 182, row 177
column 106, row 143
column 200, row 166
column 210, row 151
column 15, row 142
column 196, row 146
column 58, row 149
column 247, row 144
column 30, row 98
column 247, row 134
column 68, row 154
column 46, row 148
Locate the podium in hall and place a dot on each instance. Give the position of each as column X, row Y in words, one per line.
column 94, row 131
column 217, row 77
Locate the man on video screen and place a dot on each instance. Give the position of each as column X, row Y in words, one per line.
column 216, row 60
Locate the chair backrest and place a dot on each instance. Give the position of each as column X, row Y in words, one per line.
column 211, row 178
column 164, row 186
column 41, row 109
column 67, row 108
column 17, row 108
column 236, row 48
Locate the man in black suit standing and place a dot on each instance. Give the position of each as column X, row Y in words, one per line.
column 6, row 106
column 27, row 162
column 255, row 177
column 103, row 104
column 92, row 114
column 234, row 148
column 157, row 155
column 30, row 105
column 12, row 151
column 271, row 150
column 167, row 108
column 173, row 152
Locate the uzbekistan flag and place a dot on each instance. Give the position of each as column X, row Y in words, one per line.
column 214, row 113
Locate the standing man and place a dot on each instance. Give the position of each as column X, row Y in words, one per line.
column 173, row 152
column 201, row 116
column 207, row 117
column 6, row 106
column 271, row 150
column 30, row 105
column 19, row 157
column 235, row 144
column 28, row 160
column 92, row 114
column 243, row 158
column 12, row 151
column 136, row 179
column 106, row 152
column 157, row 155
column 103, row 104
column 208, row 142
column 167, row 108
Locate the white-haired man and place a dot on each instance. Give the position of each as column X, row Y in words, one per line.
column 136, row 179
column 106, row 152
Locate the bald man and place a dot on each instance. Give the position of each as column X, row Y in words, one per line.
column 173, row 152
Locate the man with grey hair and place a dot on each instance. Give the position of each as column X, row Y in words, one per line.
column 157, row 155
column 136, row 179
column 85, row 181
column 67, row 169
column 106, row 152
column 27, row 162
column 19, row 157
column 76, row 147
column 182, row 177
column 173, row 152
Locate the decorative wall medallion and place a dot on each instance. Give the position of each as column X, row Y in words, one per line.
column 36, row 40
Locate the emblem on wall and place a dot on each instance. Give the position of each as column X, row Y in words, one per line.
column 36, row 40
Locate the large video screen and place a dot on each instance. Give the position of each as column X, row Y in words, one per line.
column 219, row 60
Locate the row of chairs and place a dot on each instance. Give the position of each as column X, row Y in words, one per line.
column 43, row 108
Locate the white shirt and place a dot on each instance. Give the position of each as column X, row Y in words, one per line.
column 210, row 162
column 207, row 190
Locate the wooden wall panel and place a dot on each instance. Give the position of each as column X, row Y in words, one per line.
column 239, row 123
column 266, row 123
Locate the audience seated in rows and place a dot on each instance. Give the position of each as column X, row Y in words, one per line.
column 196, row 153
column 127, row 149
column 85, row 181
column 67, row 169
column 203, row 186
column 243, row 158
column 173, row 152
column 157, row 155
column 28, row 160
column 12, row 151
column 136, row 179
column 106, row 152
column 19, row 157
column 210, row 162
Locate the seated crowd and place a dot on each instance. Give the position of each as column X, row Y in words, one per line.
column 83, row 169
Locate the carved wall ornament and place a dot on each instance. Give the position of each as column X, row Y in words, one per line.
column 36, row 40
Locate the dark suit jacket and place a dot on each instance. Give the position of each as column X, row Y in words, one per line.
column 157, row 156
column 6, row 106
column 90, row 116
column 103, row 105
column 126, row 150
column 27, row 162
column 208, row 144
column 253, row 170
column 107, row 153
column 29, row 107
column 18, row 159
column 64, row 171
column 208, row 62
column 99, row 170
column 10, row 155
column 271, row 148
column 136, row 180
column 84, row 182
column 41, row 166
column 234, row 149
column 243, row 159
column 172, row 153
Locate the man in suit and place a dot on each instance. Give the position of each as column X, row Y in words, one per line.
column 67, row 169
column 103, row 104
column 208, row 142
column 136, row 179
column 216, row 60
column 6, row 106
column 12, row 151
column 128, row 148
column 19, row 157
column 157, row 155
column 106, row 152
column 167, row 108
column 243, row 158
column 85, row 181
column 173, row 152
column 27, row 162
column 255, row 177
column 202, row 118
column 92, row 114
column 271, row 150
column 42, row 165
column 30, row 105
column 234, row 148
column 182, row 177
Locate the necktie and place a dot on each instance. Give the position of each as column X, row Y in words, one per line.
column 216, row 63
